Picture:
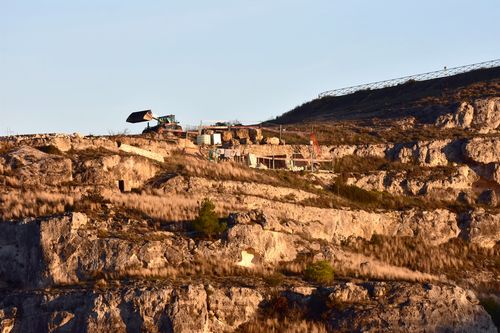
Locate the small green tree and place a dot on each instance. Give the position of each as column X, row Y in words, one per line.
column 320, row 271
column 207, row 222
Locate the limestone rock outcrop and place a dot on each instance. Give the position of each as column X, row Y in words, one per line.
column 68, row 249
column 109, row 169
column 31, row 166
column 333, row 225
column 481, row 227
column 427, row 153
column 487, row 114
column 462, row 117
column 482, row 115
column 366, row 307
column 77, row 255
column 483, row 150
column 156, row 308
column 373, row 150
column 446, row 187
column 410, row 307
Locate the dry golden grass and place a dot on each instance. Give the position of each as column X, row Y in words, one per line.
column 352, row 265
column 166, row 208
column 33, row 203
column 455, row 259
column 5, row 147
column 191, row 166
column 200, row 167
column 206, row 268
column 286, row 325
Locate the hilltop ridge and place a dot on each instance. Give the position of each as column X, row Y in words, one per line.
column 420, row 99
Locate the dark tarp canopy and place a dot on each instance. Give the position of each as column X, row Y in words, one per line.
column 140, row 116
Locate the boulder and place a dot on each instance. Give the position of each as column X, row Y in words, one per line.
column 487, row 114
column 431, row 153
column 404, row 154
column 255, row 135
column 482, row 150
column 481, row 227
column 271, row 141
column 227, row 136
column 340, row 151
column 426, row 153
column 250, row 217
column 242, row 134
column 461, row 118
column 272, row 247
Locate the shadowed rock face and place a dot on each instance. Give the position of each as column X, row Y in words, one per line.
column 157, row 308
column 367, row 307
column 20, row 254
column 66, row 250
column 411, row 308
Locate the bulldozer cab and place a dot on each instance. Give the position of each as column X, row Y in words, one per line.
column 169, row 119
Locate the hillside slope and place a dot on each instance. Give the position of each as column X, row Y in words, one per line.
column 420, row 99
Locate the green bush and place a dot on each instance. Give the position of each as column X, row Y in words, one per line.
column 207, row 222
column 319, row 271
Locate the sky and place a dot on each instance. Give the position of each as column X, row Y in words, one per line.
column 84, row 65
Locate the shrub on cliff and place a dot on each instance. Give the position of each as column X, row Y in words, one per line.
column 207, row 223
column 319, row 271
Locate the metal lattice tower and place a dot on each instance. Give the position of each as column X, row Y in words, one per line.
column 418, row 77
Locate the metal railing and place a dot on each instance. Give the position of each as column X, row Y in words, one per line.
column 418, row 77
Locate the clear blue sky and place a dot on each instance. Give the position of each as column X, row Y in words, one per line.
column 74, row 65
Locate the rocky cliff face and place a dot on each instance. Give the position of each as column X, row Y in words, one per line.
column 446, row 186
column 208, row 308
column 482, row 115
column 408, row 251
column 72, row 250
